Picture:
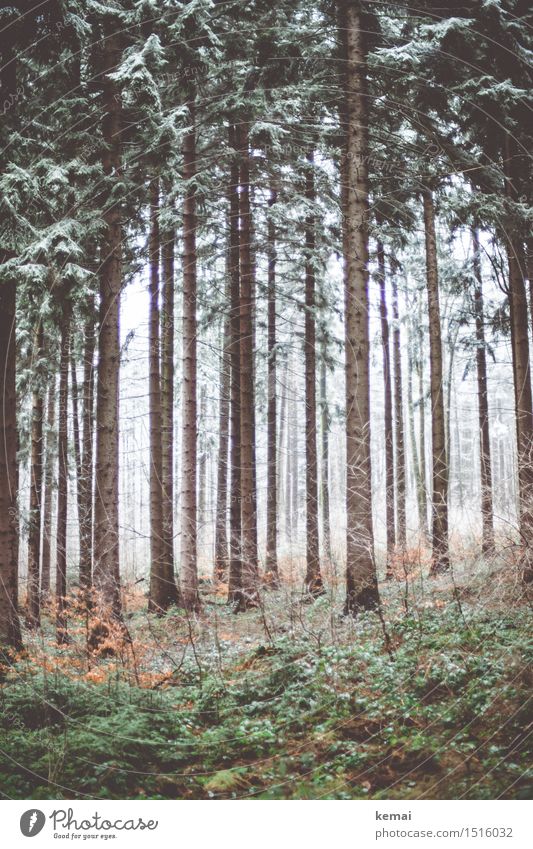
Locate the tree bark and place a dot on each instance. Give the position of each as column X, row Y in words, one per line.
column 36, row 477
column 49, row 475
column 324, row 456
column 62, row 489
column 248, row 493
column 167, row 415
column 106, row 573
column 485, row 462
column 9, row 621
column 398, row 419
column 521, row 361
column 157, row 601
column 189, row 570
column 85, row 482
column 221, row 517
column 390, row 531
column 271, row 570
column 440, row 557
column 235, row 568
column 361, row 580
column 313, row 576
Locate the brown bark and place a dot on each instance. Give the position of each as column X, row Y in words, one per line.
column 157, row 600
column 167, row 415
column 36, row 477
column 221, row 517
column 361, row 580
column 235, row 570
column 9, row 620
column 106, row 573
column 487, row 517
column 85, row 498
column 521, row 363
column 439, row 505
column 49, row 474
column 324, row 457
column 423, row 484
column 271, row 566
column 398, row 419
column 189, row 571
column 313, row 577
column 390, row 532
column 248, row 493
column 62, row 487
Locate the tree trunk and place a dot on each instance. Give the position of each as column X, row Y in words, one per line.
column 189, row 571
column 423, row 491
column 361, row 580
column 235, row 568
column 202, row 470
column 221, row 518
column 412, row 438
column 521, row 363
column 51, row 456
column 9, row 620
column 272, row 575
column 440, row 557
column 248, row 494
column 85, row 499
column 390, row 534
column 36, row 477
column 487, row 516
column 398, row 418
column 313, row 577
column 167, row 416
column 62, row 489
column 106, row 574
column 324, row 456
column 157, row 601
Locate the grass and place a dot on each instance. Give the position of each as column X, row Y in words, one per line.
column 288, row 702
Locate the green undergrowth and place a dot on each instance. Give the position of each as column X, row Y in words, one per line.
column 446, row 717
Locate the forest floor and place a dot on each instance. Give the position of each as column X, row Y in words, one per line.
column 288, row 701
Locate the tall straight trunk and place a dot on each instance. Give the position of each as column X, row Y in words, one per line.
column 439, row 505
column 49, row 475
column 157, row 601
column 324, row 457
column 361, row 580
column 272, row 575
column 167, row 414
column 282, row 449
column 422, row 510
column 189, row 569
column 36, row 478
column 106, row 573
column 485, row 463
column 313, row 576
column 398, row 418
column 62, row 487
column 423, row 491
column 248, row 493
column 76, row 433
column 85, row 499
column 390, row 532
column 202, row 467
column 9, row 621
column 221, row 516
column 292, row 458
column 521, row 363
column 235, row 566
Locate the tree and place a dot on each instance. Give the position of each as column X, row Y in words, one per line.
column 361, row 581
column 62, row 447
column 106, row 573
column 36, row 477
column 439, row 500
column 387, row 398
column 485, row 465
column 271, row 564
column 189, row 573
column 313, row 577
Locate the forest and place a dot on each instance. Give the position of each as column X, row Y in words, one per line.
column 266, row 420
